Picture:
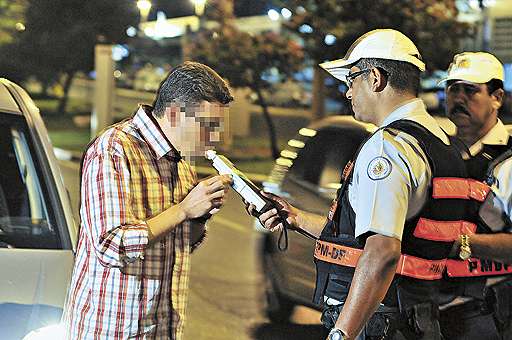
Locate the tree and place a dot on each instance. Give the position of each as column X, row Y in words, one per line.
column 60, row 36
column 431, row 24
column 11, row 13
column 245, row 59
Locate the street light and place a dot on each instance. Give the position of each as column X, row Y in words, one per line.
column 199, row 7
column 144, row 7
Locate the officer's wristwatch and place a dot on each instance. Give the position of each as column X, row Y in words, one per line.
column 465, row 249
column 336, row 334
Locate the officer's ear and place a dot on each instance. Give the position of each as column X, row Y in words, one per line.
column 497, row 98
column 378, row 79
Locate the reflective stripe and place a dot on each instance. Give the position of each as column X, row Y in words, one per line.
column 445, row 231
column 476, row 267
column 338, row 254
column 408, row 265
column 462, row 188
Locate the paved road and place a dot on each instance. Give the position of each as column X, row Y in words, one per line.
column 226, row 298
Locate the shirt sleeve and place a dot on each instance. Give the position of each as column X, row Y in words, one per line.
column 501, row 204
column 116, row 235
column 390, row 183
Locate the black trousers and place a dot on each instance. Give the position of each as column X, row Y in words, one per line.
column 488, row 318
column 420, row 323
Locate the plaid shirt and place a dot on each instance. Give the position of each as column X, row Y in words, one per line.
column 121, row 287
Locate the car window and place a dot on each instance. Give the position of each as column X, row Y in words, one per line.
column 26, row 219
column 324, row 156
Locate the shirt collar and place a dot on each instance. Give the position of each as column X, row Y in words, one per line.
column 405, row 111
column 416, row 111
column 152, row 133
column 498, row 135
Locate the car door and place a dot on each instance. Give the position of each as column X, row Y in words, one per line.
column 311, row 184
column 36, row 224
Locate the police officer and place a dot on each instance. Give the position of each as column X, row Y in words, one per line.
column 480, row 289
column 378, row 250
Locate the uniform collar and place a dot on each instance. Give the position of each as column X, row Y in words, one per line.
column 416, row 111
column 498, row 135
column 406, row 110
column 152, row 134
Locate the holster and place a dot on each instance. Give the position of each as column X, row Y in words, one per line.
column 499, row 297
column 423, row 322
column 416, row 303
column 382, row 325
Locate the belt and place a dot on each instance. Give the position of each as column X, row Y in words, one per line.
column 408, row 265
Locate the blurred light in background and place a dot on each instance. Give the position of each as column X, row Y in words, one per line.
column 117, row 74
column 273, row 14
column 305, row 28
column 307, row 132
column 284, row 162
column 330, row 39
column 119, row 52
column 286, row 13
column 289, row 154
column 131, row 31
column 19, row 27
column 475, row 4
column 296, row 143
column 199, row 7
column 507, row 84
column 144, row 7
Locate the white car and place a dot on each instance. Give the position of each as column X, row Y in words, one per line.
column 37, row 229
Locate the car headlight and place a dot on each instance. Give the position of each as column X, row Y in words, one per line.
column 52, row 332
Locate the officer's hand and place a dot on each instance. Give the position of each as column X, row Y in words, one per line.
column 272, row 219
column 206, row 197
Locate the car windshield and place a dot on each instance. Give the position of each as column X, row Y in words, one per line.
column 26, row 219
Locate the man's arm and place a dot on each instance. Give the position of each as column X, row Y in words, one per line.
column 373, row 276
column 488, row 246
column 117, row 236
column 298, row 219
column 205, row 196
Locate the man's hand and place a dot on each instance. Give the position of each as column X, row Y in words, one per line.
column 272, row 219
column 206, row 197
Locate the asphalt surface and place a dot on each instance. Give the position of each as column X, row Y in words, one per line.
column 226, row 296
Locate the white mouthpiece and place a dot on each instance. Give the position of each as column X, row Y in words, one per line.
column 210, row 154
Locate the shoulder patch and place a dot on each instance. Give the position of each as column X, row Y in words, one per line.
column 379, row 168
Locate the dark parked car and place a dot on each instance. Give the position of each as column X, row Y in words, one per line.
column 308, row 176
column 37, row 230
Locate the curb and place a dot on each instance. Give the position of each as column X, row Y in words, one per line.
column 202, row 171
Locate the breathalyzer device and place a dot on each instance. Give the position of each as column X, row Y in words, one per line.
column 241, row 184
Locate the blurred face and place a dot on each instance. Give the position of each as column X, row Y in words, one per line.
column 471, row 108
column 196, row 127
column 358, row 93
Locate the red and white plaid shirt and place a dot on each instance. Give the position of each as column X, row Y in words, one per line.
column 122, row 288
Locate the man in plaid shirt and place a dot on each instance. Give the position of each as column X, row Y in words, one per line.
column 143, row 212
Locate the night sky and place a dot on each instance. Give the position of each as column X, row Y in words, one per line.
column 178, row 8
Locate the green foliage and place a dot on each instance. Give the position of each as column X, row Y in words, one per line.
column 11, row 13
column 243, row 58
column 60, row 36
column 431, row 24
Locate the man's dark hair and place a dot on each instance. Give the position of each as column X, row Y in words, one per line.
column 493, row 85
column 191, row 83
column 401, row 76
